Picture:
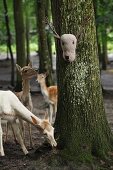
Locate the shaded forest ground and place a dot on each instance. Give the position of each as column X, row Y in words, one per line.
column 41, row 157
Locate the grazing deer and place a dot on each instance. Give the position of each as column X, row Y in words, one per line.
column 27, row 72
column 12, row 109
column 49, row 93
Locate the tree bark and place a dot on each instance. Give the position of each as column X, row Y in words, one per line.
column 20, row 38
column 45, row 65
column 81, row 123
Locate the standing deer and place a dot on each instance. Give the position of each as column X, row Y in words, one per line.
column 49, row 93
column 27, row 72
column 12, row 109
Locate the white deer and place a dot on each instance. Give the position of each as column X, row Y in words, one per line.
column 50, row 95
column 12, row 109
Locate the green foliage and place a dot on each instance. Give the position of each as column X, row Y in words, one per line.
column 29, row 6
column 104, row 20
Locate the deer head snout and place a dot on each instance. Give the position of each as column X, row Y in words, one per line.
column 67, row 57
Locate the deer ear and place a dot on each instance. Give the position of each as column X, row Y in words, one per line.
column 30, row 64
column 34, row 120
column 46, row 74
column 18, row 67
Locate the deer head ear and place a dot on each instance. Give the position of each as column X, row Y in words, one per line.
column 18, row 67
column 30, row 64
column 34, row 120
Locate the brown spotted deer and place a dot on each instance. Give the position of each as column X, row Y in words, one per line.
column 50, row 95
column 27, row 72
column 11, row 109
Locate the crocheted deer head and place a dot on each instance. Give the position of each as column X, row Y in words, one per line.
column 68, row 44
column 69, row 41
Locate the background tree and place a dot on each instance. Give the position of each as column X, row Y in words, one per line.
column 48, row 31
column 81, row 122
column 104, row 20
column 27, row 29
column 44, row 59
column 20, row 37
column 9, row 41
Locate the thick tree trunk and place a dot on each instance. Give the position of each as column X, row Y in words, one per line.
column 9, row 41
column 45, row 65
column 20, row 37
column 81, row 122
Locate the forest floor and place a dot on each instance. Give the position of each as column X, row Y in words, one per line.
column 42, row 157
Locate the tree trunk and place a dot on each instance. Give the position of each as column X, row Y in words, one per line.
column 9, row 41
column 81, row 123
column 27, row 31
column 49, row 38
column 96, row 10
column 45, row 65
column 104, row 49
column 20, row 38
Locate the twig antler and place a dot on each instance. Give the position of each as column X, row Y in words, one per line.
column 52, row 28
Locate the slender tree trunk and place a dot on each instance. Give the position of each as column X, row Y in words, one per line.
column 45, row 65
column 104, row 49
column 96, row 4
column 27, row 33
column 81, row 123
column 9, row 41
column 49, row 38
column 20, row 38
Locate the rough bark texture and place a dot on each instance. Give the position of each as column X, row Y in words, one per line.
column 20, row 37
column 45, row 64
column 81, row 122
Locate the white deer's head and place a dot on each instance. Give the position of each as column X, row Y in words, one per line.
column 69, row 41
column 46, row 129
column 68, row 44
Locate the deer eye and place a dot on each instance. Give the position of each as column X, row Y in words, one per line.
column 62, row 43
column 73, row 42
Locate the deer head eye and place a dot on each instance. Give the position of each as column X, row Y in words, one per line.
column 62, row 43
column 73, row 42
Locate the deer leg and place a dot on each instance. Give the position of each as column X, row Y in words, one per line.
column 30, row 136
column 19, row 137
column 50, row 113
column 1, row 141
column 7, row 127
column 55, row 111
column 22, row 128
